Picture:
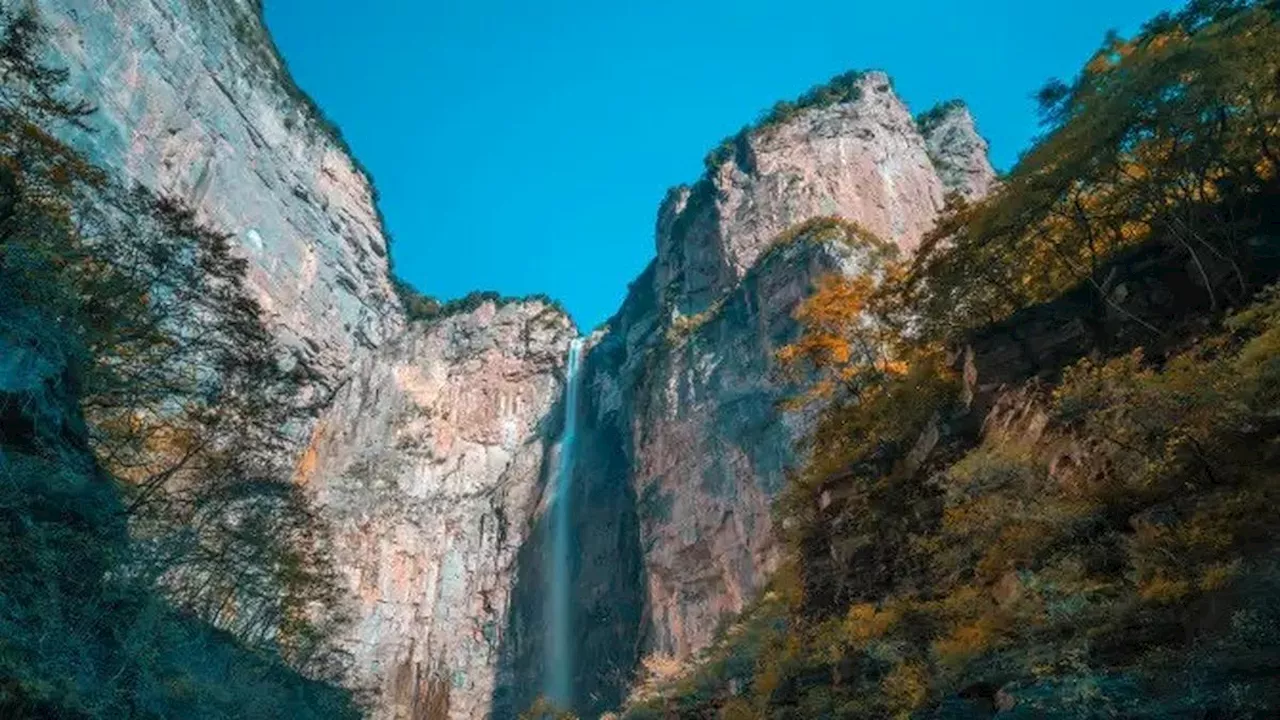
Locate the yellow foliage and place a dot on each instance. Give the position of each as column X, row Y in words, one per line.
column 1218, row 575
column 1015, row 545
column 768, row 676
column 844, row 341
column 787, row 584
column 1099, row 64
column 865, row 621
column 906, row 688
column 977, row 624
column 738, row 709
column 662, row 667
column 1161, row 589
column 1266, row 169
column 963, row 643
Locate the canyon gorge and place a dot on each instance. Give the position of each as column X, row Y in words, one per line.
column 876, row 432
column 434, row 452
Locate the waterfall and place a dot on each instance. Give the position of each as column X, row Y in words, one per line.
column 558, row 663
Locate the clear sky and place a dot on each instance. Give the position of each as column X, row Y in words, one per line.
column 523, row 145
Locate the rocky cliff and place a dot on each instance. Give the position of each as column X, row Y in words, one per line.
column 429, row 466
column 863, row 159
column 681, row 443
column 957, row 151
column 685, row 384
column 430, row 463
column 193, row 102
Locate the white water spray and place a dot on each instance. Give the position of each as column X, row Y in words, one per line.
column 558, row 663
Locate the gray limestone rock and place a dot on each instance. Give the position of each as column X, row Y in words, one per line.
column 429, row 466
column 193, row 102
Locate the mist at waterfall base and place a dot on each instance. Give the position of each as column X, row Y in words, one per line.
column 558, row 662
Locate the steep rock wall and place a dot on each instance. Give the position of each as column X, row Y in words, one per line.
column 957, row 151
column 863, row 160
column 193, row 102
column 684, row 384
column 430, row 467
column 430, row 462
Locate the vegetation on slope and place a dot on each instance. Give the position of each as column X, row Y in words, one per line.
column 420, row 307
column 818, row 230
column 1095, row 541
column 842, row 88
column 928, row 120
column 159, row 561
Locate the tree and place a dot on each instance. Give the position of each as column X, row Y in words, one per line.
column 192, row 407
column 841, row 345
column 1167, row 137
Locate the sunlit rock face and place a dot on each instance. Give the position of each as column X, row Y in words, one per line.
column 193, row 102
column 430, row 467
column 863, row 160
column 430, row 461
column 708, row 442
column 685, row 383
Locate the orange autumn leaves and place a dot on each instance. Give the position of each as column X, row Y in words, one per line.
column 843, row 343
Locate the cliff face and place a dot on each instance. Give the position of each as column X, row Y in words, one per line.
column 430, row 463
column 193, row 102
column 957, row 151
column 685, row 384
column 432, row 460
column 429, row 466
column 863, row 160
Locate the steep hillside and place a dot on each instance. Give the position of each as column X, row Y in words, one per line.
column 158, row 563
column 870, row 436
column 428, row 465
column 1043, row 482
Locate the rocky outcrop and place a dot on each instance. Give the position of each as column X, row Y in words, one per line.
column 862, row 159
column 957, row 151
column 193, row 102
column 681, row 443
column 684, row 384
column 429, row 466
column 712, row 445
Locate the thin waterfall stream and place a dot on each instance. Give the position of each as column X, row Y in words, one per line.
column 558, row 663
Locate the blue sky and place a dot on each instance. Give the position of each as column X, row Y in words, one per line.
column 523, row 146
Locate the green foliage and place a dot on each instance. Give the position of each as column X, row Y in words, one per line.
column 843, row 88
column 731, row 661
column 684, row 326
column 725, row 151
column 471, row 301
column 832, row 227
column 417, row 307
column 930, row 118
column 1118, row 579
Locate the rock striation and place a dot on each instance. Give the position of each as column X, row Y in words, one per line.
column 430, row 467
column 863, row 159
column 430, row 461
column 957, row 151
column 684, row 384
column 194, row 103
